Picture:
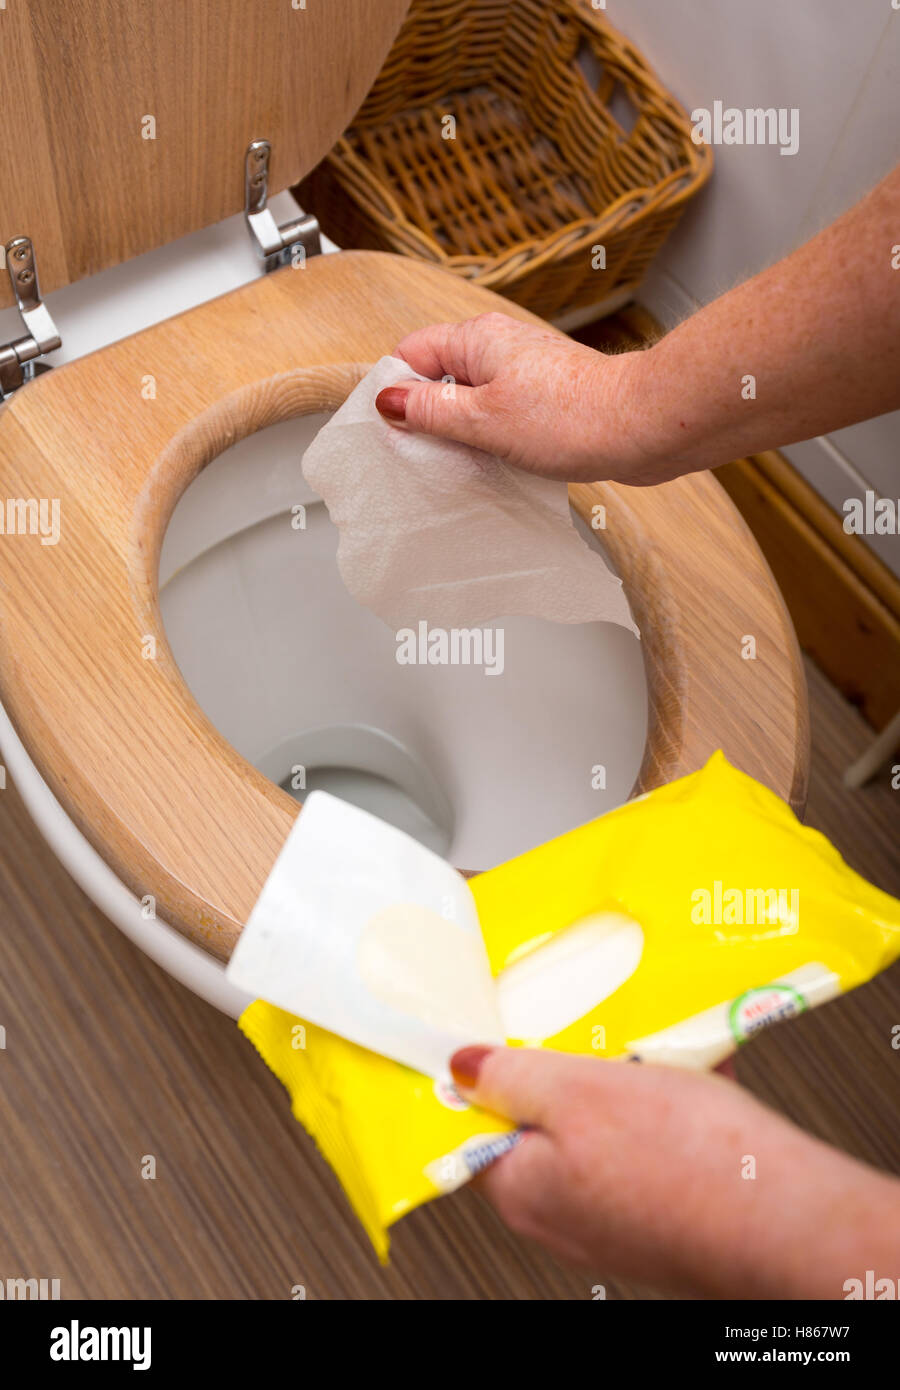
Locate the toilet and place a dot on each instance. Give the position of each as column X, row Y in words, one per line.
column 134, row 691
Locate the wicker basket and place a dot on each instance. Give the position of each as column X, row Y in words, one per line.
column 540, row 173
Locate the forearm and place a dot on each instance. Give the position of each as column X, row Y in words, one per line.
column 808, row 346
column 809, row 1221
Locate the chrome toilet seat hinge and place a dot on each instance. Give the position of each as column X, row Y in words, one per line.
column 20, row 360
column 274, row 245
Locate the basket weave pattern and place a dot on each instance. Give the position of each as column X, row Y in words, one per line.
column 540, row 172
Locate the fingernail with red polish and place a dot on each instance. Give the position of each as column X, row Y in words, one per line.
column 467, row 1063
column 391, row 403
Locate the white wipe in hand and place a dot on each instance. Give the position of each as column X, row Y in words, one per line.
column 434, row 531
column 365, row 932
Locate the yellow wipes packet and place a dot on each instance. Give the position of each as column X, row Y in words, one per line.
column 671, row 929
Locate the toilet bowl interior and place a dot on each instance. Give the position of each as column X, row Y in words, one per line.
column 305, row 684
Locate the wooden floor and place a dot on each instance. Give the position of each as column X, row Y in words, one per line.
column 107, row 1061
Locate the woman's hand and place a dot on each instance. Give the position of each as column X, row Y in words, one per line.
column 678, row 1180
column 529, row 395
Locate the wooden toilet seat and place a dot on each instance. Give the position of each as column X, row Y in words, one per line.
column 87, row 676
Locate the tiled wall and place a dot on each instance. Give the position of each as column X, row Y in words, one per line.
column 838, row 62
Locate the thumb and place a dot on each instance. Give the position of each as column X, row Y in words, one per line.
column 441, row 408
column 528, row 1085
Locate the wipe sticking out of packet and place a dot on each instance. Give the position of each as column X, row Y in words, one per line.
column 362, row 930
column 670, row 930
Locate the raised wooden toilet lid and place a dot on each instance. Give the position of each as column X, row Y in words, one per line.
column 125, row 122
column 86, row 674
